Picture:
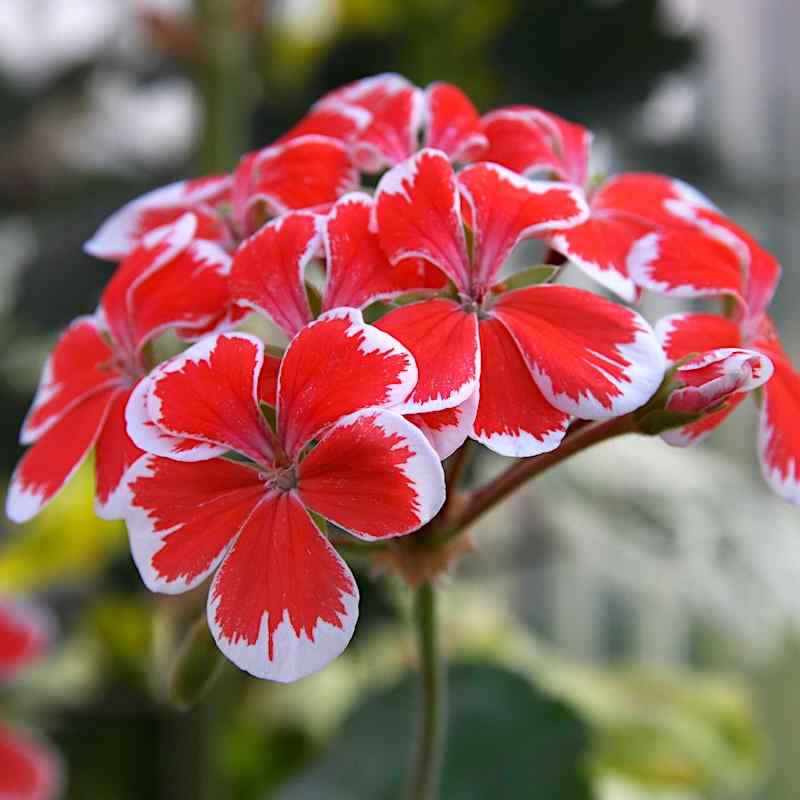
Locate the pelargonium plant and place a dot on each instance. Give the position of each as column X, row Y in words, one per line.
column 407, row 334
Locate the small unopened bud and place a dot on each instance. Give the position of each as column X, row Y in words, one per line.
column 703, row 385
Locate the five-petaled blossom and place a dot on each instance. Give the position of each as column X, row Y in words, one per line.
column 172, row 280
column 534, row 356
column 28, row 769
column 282, row 602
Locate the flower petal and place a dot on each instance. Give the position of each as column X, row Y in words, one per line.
column 683, row 333
column 25, row 632
column 121, row 233
column 646, row 197
column 56, row 455
column 374, row 474
column 283, row 604
column 334, row 366
column 531, row 141
column 115, row 454
column 447, row 430
column 507, row 208
column 391, row 135
column 600, row 247
column 779, row 432
column 453, row 124
column 147, row 436
column 443, row 339
column 280, row 178
column 157, row 249
column 712, row 377
column 28, row 771
column 335, row 119
column 513, row 419
column 685, row 262
column 210, row 393
column 182, row 518
column 268, row 270
column 696, row 432
column 418, row 215
column 358, row 270
column 590, row 357
column 80, row 365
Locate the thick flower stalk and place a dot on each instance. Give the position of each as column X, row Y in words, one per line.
column 240, row 461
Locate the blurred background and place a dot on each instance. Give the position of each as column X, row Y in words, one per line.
column 627, row 629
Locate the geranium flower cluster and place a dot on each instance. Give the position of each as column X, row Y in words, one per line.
column 226, row 459
column 28, row 769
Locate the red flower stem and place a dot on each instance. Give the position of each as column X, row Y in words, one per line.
column 427, row 761
column 580, row 436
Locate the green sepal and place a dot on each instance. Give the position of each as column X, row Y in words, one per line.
column 664, row 420
column 314, row 299
column 532, row 276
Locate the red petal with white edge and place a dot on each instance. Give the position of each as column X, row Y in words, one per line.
column 190, row 292
column 81, row 363
column 157, row 249
column 147, row 436
column 56, row 455
column 268, row 270
column 210, row 393
column 283, row 604
column 373, row 474
column 443, row 338
column 645, row 196
column 530, row 141
column 762, row 270
column 779, row 432
column 115, row 454
column 684, row 262
column 418, row 215
column 368, row 93
column 358, row 270
column 25, row 633
column 513, row 419
column 391, row 135
column 28, row 770
column 507, row 208
column 711, row 378
column 447, row 430
column 600, row 247
column 698, row 431
column 336, row 365
column 453, row 124
column 280, row 177
column 182, row 518
column 122, row 231
column 682, row 334
column 335, row 119
column 590, row 357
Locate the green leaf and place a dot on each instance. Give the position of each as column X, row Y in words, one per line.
column 530, row 277
column 506, row 739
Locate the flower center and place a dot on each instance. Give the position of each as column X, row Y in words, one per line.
column 284, row 480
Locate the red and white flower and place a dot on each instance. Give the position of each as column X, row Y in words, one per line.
column 172, row 280
column 779, row 435
column 306, row 172
column 381, row 118
column 28, row 769
column 535, row 356
column 282, row 602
